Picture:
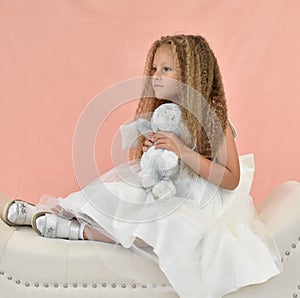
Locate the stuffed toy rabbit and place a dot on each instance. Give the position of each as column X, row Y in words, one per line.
column 158, row 166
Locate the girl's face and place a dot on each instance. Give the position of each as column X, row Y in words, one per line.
column 164, row 76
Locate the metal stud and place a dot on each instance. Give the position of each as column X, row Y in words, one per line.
column 9, row 277
column 113, row 285
column 36, row 285
column 27, row 284
column 299, row 287
column 287, row 253
column 144, row 286
column 154, row 286
column 55, row 285
column 46, row 285
column 1, row 272
column 18, row 281
column 103, row 285
column 94, row 286
column 74, row 285
column 293, row 245
column 65, row 286
column 163, row 285
column 133, row 286
column 84, row 285
column 123, row 286
column 295, row 295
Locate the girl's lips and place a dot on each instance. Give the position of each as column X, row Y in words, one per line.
column 157, row 86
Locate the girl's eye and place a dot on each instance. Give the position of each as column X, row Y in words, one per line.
column 167, row 69
column 154, row 69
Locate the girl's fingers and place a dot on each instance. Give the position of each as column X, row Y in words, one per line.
column 150, row 136
column 161, row 139
column 164, row 143
column 148, row 143
column 169, row 141
column 163, row 135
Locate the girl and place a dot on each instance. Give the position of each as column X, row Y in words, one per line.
column 206, row 239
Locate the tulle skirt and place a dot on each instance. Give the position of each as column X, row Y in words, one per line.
column 207, row 240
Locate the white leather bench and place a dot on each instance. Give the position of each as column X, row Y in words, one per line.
column 33, row 266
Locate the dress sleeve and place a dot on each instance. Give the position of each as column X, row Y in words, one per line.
column 233, row 130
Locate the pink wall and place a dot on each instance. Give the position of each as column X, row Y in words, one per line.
column 55, row 56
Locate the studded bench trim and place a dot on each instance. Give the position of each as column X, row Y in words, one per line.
column 113, row 285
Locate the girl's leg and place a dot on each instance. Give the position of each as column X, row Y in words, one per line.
column 63, row 225
column 52, row 225
column 91, row 233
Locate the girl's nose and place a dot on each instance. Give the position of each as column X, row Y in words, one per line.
column 157, row 74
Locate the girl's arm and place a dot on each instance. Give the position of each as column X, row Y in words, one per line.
column 225, row 172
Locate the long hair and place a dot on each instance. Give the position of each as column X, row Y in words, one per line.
column 195, row 66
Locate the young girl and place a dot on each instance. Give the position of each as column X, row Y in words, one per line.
column 206, row 239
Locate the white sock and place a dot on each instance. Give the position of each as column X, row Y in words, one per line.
column 16, row 216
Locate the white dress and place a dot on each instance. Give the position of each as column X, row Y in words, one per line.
column 207, row 240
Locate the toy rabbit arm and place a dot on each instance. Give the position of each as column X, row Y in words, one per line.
column 144, row 126
column 129, row 135
column 130, row 132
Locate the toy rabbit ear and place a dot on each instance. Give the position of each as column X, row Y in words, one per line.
column 144, row 126
column 129, row 135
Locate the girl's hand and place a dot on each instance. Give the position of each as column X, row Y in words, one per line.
column 149, row 142
column 169, row 141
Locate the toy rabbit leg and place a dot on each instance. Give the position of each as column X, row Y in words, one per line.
column 164, row 189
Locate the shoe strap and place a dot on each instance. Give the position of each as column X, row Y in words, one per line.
column 50, row 225
column 74, row 230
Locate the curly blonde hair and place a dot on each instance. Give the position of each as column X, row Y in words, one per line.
column 196, row 66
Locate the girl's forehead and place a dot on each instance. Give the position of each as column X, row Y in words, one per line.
column 164, row 52
column 165, row 48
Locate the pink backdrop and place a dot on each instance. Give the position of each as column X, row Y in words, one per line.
column 55, row 56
